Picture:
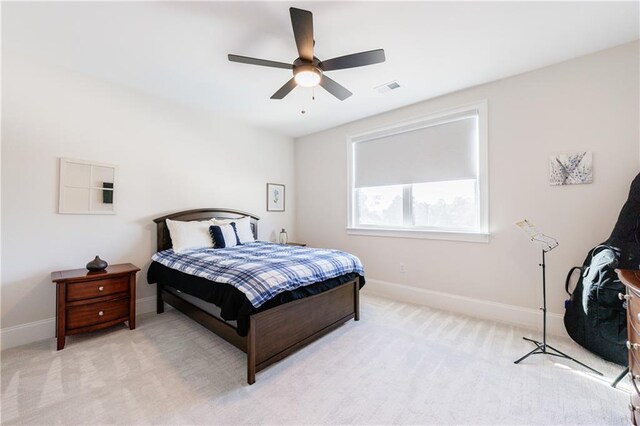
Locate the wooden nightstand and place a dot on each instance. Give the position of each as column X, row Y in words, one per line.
column 88, row 301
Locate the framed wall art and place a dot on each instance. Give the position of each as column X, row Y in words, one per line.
column 275, row 197
column 86, row 187
column 571, row 169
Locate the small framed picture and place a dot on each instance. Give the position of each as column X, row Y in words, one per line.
column 275, row 197
column 571, row 169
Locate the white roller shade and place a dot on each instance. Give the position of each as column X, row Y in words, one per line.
column 439, row 152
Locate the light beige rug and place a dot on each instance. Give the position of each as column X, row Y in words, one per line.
column 400, row 364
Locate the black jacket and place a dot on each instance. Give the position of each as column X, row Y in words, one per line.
column 626, row 233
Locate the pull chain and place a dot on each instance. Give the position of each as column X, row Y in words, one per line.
column 313, row 98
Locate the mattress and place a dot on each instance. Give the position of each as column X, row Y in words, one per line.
column 261, row 270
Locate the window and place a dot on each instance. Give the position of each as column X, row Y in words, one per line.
column 425, row 178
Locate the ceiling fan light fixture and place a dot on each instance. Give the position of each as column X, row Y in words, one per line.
column 307, row 75
column 308, row 70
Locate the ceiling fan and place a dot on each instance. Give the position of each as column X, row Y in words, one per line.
column 309, row 71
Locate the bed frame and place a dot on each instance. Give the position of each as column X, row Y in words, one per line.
column 277, row 332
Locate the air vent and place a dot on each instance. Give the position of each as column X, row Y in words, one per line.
column 387, row 87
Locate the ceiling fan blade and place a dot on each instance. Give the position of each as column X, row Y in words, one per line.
column 302, row 22
column 262, row 62
column 334, row 88
column 284, row 90
column 354, row 60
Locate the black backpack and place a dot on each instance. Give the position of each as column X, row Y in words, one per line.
column 595, row 316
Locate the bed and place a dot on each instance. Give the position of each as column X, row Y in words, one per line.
column 271, row 333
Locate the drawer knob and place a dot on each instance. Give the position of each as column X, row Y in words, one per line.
column 101, row 313
column 622, row 296
column 633, row 346
column 101, row 288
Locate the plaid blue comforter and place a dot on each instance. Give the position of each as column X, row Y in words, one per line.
column 262, row 270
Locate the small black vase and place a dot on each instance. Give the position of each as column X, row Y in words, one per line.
column 97, row 264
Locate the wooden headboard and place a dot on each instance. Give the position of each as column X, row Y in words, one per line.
column 164, row 240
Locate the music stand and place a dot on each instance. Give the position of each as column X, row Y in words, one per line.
column 547, row 244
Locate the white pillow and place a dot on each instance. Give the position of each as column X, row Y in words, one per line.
column 189, row 235
column 243, row 228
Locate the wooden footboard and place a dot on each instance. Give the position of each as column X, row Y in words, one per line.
column 280, row 331
column 276, row 333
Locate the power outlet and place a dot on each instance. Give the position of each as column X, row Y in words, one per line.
column 403, row 268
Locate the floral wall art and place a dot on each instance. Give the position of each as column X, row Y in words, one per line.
column 275, row 197
column 571, row 169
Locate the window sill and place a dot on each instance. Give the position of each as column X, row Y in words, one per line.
column 475, row 237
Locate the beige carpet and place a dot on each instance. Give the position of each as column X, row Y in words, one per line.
column 400, row 364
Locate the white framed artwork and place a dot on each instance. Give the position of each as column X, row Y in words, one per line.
column 275, row 197
column 86, row 187
column 571, row 169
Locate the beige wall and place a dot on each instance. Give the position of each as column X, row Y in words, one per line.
column 586, row 104
column 170, row 158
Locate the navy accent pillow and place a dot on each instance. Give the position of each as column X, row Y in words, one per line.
column 224, row 236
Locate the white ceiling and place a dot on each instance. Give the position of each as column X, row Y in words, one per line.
column 178, row 50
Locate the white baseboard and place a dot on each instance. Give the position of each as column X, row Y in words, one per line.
column 485, row 309
column 145, row 305
column 22, row 334
column 18, row 335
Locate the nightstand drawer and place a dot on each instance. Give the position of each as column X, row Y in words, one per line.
column 633, row 318
column 97, row 313
column 634, row 366
column 97, row 288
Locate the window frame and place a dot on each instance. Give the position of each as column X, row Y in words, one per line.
column 482, row 187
